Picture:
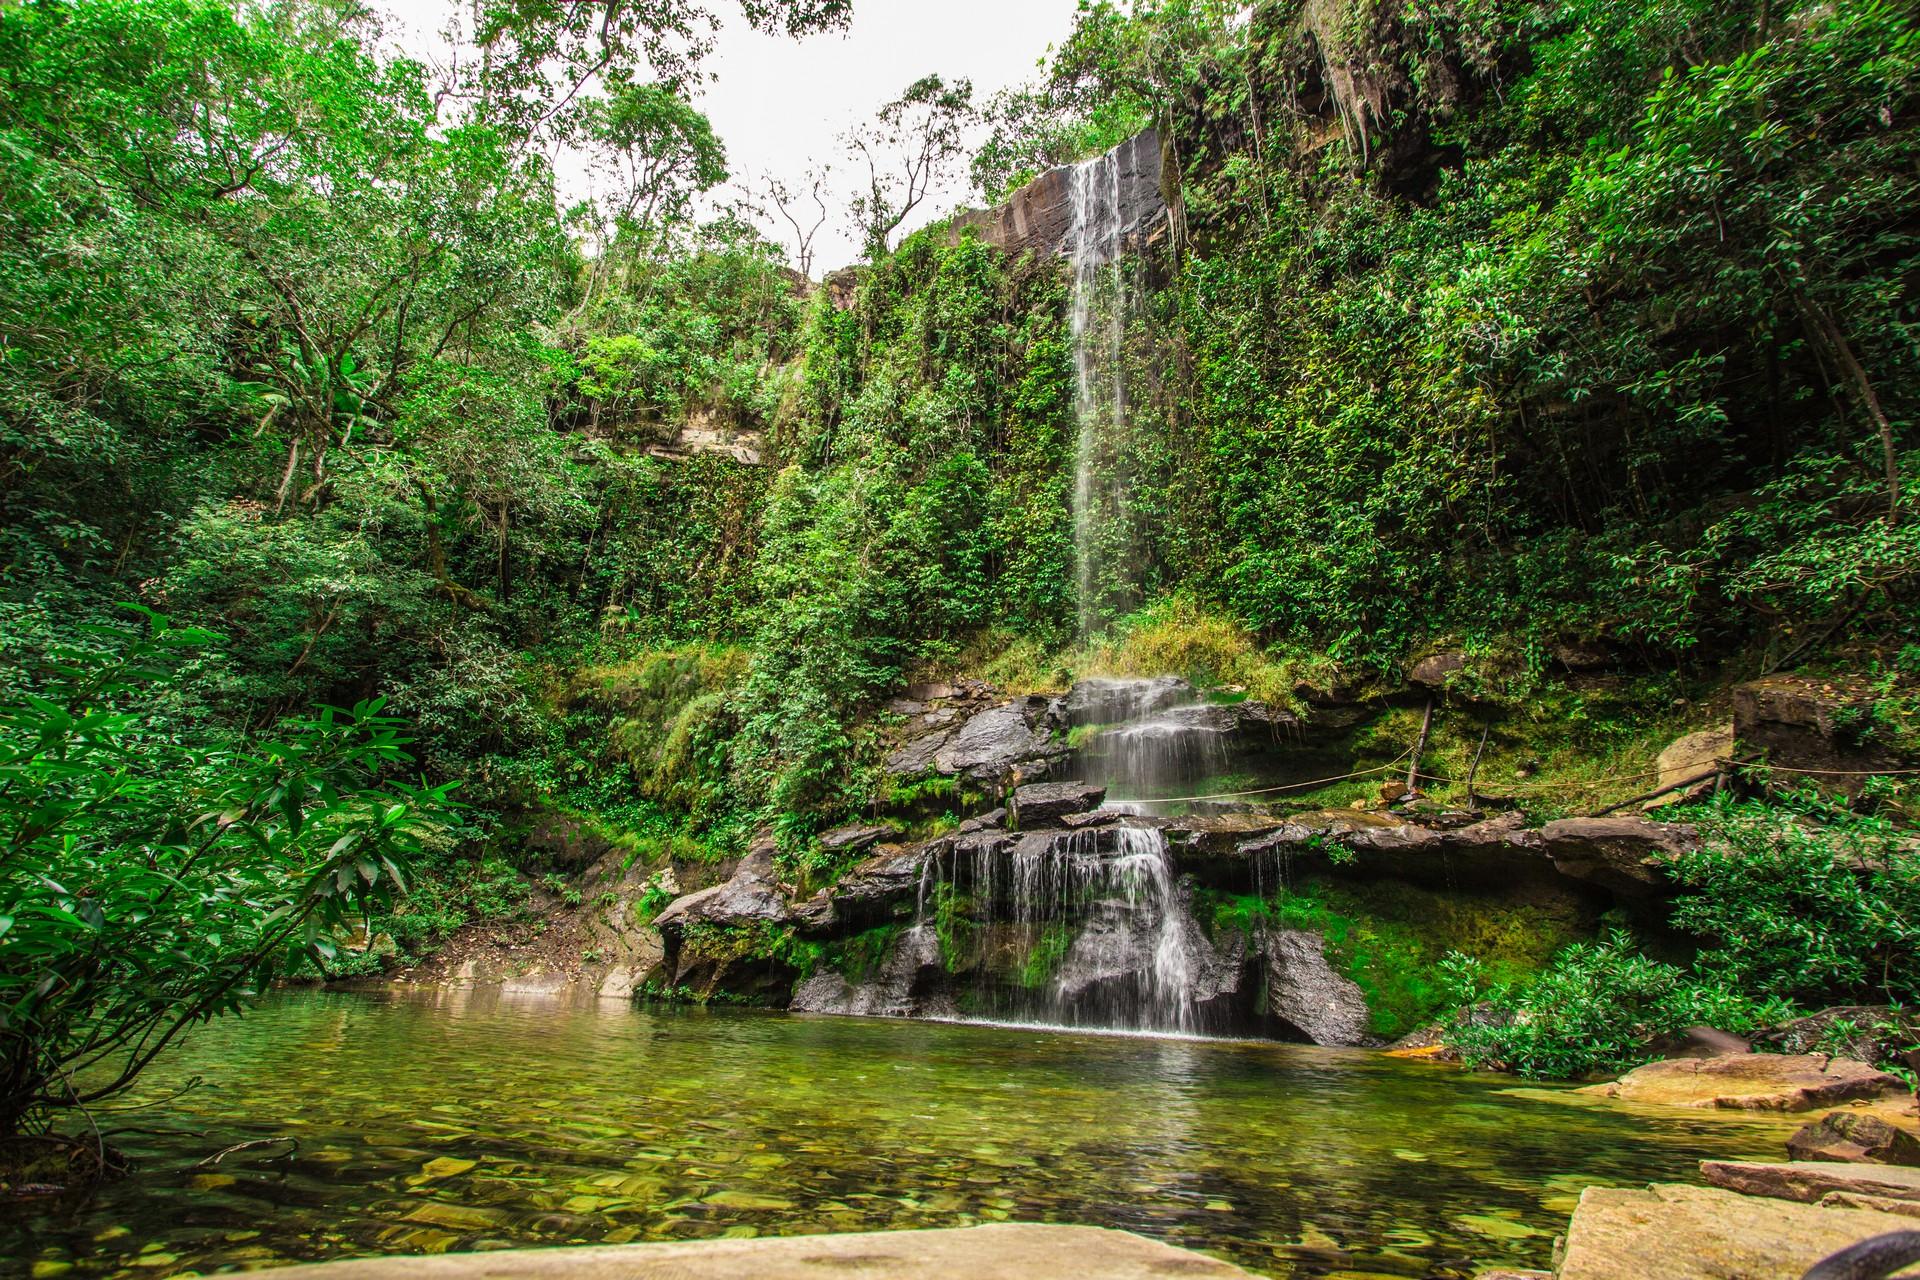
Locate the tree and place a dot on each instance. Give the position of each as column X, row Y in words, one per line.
column 660, row 150
column 907, row 150
column 538, row 59
column 802, row 208
column 148, row 883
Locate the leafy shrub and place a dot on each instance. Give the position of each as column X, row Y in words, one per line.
column 151, row 881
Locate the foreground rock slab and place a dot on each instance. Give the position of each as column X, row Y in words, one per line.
column 1003, row 1251
column 1700, row 1233
column 1752, row 1082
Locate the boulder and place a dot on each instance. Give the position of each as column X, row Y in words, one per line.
column 918, row 755
column 1800, row 723
column 752, row 895
column 1810, row 1182
column 1305, row 993
column 1752, row 1082
column 991, row 743
column 884, row 887
column 1854, row 1137
column 1685, row 759
column 1433, row 671
column 852, row 839
column 1627, row 855
column 1039, row 803
column 1703, row 1233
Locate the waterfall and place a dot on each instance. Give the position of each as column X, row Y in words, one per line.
column 1101, row 297
column 1095, row 922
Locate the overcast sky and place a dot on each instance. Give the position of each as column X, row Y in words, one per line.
column 779, row 104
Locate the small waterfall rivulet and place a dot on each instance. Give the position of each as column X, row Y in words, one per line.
column 1103, row 288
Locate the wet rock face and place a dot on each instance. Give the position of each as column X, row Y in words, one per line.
column 907, row 984
column 1103, row 700
column 1305, row 993
column 1038, row 218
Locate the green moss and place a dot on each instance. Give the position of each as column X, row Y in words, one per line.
column 1390, row 938
column 861, row 956
column 1048, row 951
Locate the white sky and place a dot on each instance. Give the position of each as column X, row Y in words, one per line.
column 780, row 105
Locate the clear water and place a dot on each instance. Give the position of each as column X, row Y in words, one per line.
column 459, row 1121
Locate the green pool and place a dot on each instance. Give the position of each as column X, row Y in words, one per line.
column 469, row 1121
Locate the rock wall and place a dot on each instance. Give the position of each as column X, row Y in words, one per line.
column 1038, row 218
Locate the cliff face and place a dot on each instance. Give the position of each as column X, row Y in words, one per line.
column 1038, row 218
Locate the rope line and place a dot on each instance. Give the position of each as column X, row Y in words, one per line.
column 1525, row 789
column 1286, row 786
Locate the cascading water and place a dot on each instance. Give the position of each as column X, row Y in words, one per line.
column 1102, row 294
column 1094, row 925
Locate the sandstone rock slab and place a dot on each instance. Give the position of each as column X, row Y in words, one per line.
column 1703, row 1233
column 1752, row 1082
column 1809, row 1181
column 1626, row 855
column 1002, row 1251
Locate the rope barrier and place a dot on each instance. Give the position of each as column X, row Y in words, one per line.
column 1524, row 789
column 1285, row 786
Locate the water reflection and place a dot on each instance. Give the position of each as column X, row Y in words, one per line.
column 474, row 1120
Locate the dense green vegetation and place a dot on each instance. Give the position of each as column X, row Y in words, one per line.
column 1504, row 326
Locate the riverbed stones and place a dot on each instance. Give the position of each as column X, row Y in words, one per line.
column 1039, row 803
column 1305, row 993
column 1000, row 1251
column 1854, row 1137
column 1705, row 1233
column 1753, row 1082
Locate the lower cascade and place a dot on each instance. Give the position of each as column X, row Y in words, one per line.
column 1080, row 917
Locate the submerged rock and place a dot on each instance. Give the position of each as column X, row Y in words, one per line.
column 1854, row 1137
column 1753, row 1082
column 1305, row 993
column 1030, row 1251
